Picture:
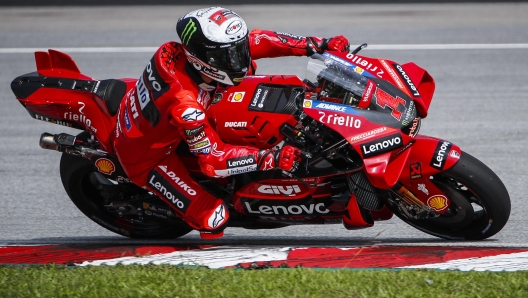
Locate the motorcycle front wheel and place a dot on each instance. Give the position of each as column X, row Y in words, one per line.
column 480, row 204
column 75, row 174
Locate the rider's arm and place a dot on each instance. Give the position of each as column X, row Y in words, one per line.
column 216, row 158
column 271, row 44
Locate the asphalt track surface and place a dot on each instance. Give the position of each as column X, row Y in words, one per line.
column 479, row 64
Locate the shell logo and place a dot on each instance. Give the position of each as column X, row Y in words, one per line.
column 307, row 104
column 358, row 69
column 438, row 203
column 105, row 166
column 238, row 96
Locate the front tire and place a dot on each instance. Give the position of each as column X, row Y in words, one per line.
column 75, row 175
column 480, row 204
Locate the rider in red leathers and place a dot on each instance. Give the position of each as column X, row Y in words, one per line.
column 169, row 103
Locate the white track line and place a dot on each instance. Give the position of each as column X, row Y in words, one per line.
column 497, row 46
column 217, row 257
column 505, row 262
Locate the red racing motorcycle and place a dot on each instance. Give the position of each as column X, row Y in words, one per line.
column 356, row 120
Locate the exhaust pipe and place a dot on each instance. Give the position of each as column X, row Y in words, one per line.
column 66, row 143
column 60, row 142
column 47, row 141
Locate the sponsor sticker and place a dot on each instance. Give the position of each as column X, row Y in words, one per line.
column 105, row 166
column 365, row 65
column 240, row 161
column 194, row 131
column 416, row 170
column 284, row 207
column 368, row 134
column 407, row 80
column 235, row 171
column 393, row 74
column 51, row 120
column 218, row 217
column 286, row 190
column 234, row 27
column 381, row 145
column 454, row 154
column 79, row 117
column 167, row 190
column 337, row 119
column 268, row 163
column 440, row 155
column 200, row 145
column 367, row 95
column 258, row 98
column 415, row 127
column 128, row 124
column 331, row 107
column 192, row 114
column 438, row 203
column 149, row 87
column 421, row 187
column 188, row 31
column 221, row 16
column 237, row 97
column 359, row 69
column 196, row 138
column 297, row 37
column 410, row 113
column 235, row 124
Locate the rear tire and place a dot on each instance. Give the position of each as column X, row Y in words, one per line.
column 480, row 204
column 75, row 175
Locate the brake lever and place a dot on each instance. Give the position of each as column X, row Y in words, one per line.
column 361, row 47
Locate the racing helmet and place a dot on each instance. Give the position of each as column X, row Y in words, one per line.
column 216, row 43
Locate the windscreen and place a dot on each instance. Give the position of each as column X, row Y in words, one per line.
column 334, row 81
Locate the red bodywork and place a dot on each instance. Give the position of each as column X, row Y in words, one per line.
column 238, row 121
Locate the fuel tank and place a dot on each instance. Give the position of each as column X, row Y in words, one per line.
column 251, row 113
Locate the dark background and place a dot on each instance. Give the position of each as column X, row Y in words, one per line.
column 223, row 2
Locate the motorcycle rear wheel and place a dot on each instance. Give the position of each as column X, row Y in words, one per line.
column 480, row 204
column 75, row 175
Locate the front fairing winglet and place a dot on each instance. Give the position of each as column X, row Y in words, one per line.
column 384, row 172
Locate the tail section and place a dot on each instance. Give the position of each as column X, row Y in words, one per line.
column 57, row 64
column 59, row 93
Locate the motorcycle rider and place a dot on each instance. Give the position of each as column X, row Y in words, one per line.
column 169, row 102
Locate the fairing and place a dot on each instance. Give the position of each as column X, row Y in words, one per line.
column 378, row 115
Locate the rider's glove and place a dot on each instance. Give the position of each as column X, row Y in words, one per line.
column 286, row 158
column 319, row 45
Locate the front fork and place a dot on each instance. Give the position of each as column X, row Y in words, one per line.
column 409, row 204
column 416, row 193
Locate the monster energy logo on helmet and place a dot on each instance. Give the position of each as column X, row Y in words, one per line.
column 188, row 31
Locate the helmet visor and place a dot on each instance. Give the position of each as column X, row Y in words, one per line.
column 231, row 58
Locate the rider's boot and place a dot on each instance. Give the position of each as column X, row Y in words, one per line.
column 210, row 222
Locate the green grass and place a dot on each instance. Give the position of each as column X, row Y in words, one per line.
column 173, row 281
